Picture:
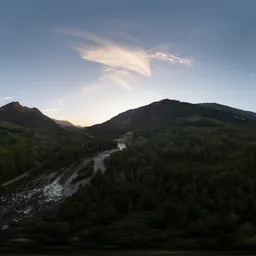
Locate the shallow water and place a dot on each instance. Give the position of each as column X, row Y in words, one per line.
column 29, row 201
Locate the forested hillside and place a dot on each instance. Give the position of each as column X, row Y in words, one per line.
column 36, row 151
column 172, row 188
column 170, row 112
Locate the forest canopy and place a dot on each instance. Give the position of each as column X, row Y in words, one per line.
column 180, row 187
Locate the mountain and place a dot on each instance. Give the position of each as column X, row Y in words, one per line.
column 26, row 117
column 235, row 111
column 63, row 123
column 66, row 125
column 167, row 112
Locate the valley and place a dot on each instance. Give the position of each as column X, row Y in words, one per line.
column 180, row 176
column 46, row 192
column 127, row 128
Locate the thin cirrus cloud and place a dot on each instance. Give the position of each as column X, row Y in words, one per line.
column 111, row 76
column 121, row 63
column 115, row 56
column 9, row 98
column 117, row 76
column 170, row 58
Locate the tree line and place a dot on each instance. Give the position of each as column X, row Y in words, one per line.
column 178, row 187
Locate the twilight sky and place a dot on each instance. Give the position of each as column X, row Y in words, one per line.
column 87, row 60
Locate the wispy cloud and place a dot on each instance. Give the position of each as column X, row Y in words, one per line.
column 9, row 98
column 117, row 57
column 117, row 76
column 50, row 109
column 121, row 63
column 171, row 58
column 92, row 88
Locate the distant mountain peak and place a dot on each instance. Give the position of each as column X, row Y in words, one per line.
column 20, row 115
column 169, row 112
column 167, row 101
column 14, row 104
column 63, row 123
column 17, row 107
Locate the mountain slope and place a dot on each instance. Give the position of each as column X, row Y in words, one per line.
column 166, row 112
column 26, row 117
column 245, row 114
column 63, row 123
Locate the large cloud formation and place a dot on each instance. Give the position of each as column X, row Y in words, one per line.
column 121, row 63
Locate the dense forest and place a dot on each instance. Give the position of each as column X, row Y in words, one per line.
column 32, row 150
column 179, row 187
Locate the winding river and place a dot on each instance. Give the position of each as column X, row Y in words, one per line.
column 50, row 190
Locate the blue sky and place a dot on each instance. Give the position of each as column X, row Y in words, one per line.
column 86, row 61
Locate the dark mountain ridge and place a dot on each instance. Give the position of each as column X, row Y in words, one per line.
column 63, row 123
column 26, row 117
column 244, row 113
column 168, row 112
column 162, row 113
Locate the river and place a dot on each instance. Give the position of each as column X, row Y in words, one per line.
column 48, row 191
column 53, row 189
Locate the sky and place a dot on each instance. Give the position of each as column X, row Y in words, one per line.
column 88, row 60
